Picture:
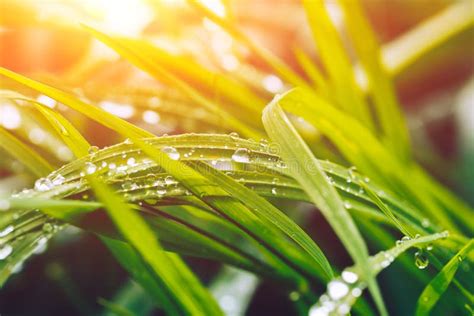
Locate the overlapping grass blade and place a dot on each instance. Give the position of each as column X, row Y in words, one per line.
column 336, row 63
column 362, row 149
column 388, row 112
column 306, row 169
column 352, row 282
column 24, row 154
column 200, row 186
column 439, row 284
column 193, row 299
column 271, row 215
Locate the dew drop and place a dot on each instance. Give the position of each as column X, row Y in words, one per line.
column 241, row 155
column 4, row 205
column 169, row 180
column 131, row 162
column 349, row 276
column 48, row 228
column 5, row 251
column 171, row 152
column 90, row 168
column 92, row 150
column 43, row 184
column 337, row 289
column 58, row 180
column 356, row 292
column 274, row 191
column 347, row 205
column 421, row 260
column 234, row 135
column 7, row 230
column 294, row 296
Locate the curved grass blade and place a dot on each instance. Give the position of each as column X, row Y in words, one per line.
column 343, row 291
column 363, row 150
column 265, row 210
column 435, row 289
column 68, row 133
column 307, row 171
column 30, row 159
column 95, row 113
column 193, row 299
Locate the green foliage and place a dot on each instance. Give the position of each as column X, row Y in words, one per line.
column 224, row 198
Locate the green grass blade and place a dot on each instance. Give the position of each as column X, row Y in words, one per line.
column 136, row 231
column 341, row 290
column 265, row 210
column 24, row 154
column 128, row 257
column 68, row 133
column 307, row 171
column 336, row 62
column 312, row 72
column 387, row 109
column 435, row 289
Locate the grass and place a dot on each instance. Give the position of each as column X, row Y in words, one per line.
column 155, row 199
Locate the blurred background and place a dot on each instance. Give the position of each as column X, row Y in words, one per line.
column 44, row 39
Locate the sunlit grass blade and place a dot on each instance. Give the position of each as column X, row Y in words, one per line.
column 137, row 54
column 363, row 150
column 93, row 112
column 440, row 283
column 336, row 63
column 190, row 299
column 387, row 109
column 68, row 133
column 128, row 257
column 36, row 164
column 312, row 72
column 424, row 38
column 265, row 210
column 306, row 169
column 278, row 65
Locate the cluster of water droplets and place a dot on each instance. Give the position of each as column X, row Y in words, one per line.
column 341, row 294
column 421, row 255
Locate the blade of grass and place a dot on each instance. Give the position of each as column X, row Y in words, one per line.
column 68, row 133
column 93, row 112
column 272, row 216
column 336, row 62
column 24, row 154
column 280, row 67
column 312, row 72
column 353, row 278
column 194, row 298
column 404, row 51
column 387, row 109
column 440, row 283
column 307, row 171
